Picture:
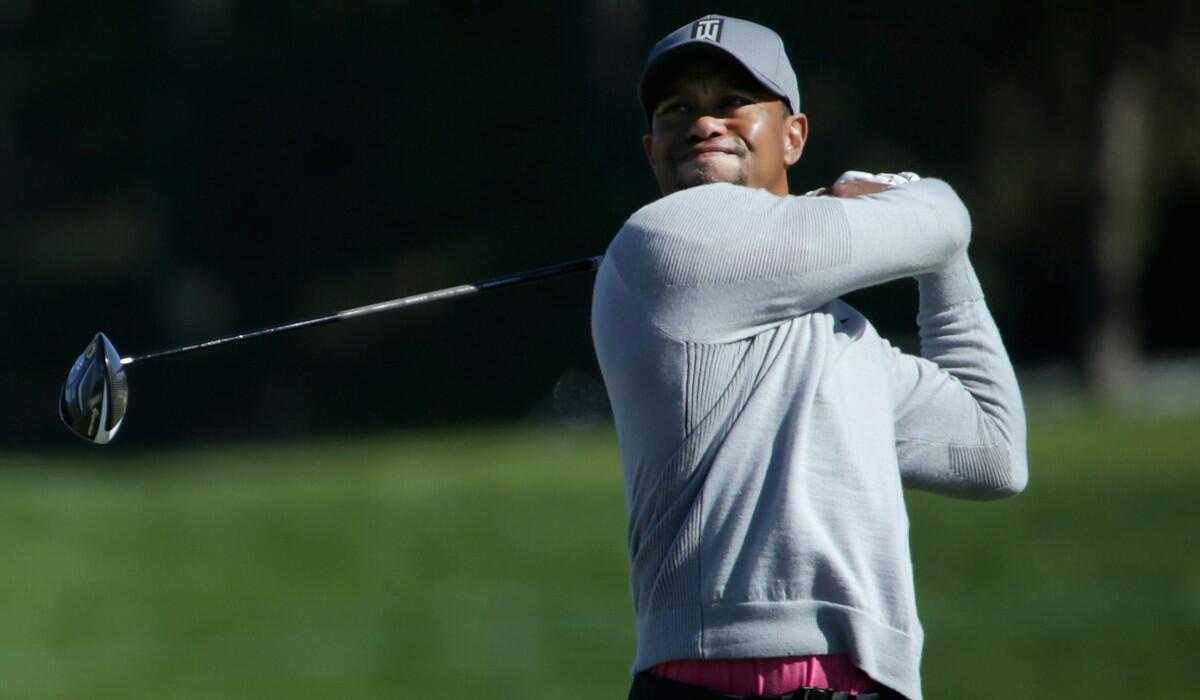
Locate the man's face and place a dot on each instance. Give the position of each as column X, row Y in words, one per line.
column 716, row 123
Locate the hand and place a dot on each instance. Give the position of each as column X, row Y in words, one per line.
column 857, row 188
column 856, row 183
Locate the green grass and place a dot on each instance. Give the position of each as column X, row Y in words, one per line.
column 492, row 563
column 1086, row 585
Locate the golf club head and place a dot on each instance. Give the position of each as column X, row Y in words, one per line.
column 96, row 393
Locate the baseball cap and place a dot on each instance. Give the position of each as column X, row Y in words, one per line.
column 757, row 48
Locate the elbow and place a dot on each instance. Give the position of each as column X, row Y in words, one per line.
column 1011, row 486
column 1019, row 474
column 991, row 471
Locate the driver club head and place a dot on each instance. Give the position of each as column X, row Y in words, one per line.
column 96, row 393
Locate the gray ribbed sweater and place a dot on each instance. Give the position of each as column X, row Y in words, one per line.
column 766, row 430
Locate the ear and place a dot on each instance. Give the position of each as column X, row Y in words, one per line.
column 648, row 145
column 794, row 136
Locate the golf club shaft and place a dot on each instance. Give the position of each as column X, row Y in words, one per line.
column 581, row 265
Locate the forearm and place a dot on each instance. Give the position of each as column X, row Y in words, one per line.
column 721, row 262
column 961, row 428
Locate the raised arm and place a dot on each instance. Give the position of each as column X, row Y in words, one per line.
column 960, row 423
column 721, row 262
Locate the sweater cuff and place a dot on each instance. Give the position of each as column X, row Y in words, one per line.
column 954, row 283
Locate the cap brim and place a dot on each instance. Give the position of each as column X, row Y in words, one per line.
column 657, row 74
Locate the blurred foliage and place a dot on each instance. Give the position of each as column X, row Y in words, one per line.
column 172, row 171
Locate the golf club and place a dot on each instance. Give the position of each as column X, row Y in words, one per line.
column 96, row 393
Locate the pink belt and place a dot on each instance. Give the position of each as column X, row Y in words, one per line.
column 774, row 676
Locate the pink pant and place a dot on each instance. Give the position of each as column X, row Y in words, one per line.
column 773, row 676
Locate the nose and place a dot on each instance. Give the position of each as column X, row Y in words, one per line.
column 705, row 127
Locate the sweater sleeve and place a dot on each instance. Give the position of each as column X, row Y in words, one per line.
column 720, row 262
column 960, row 423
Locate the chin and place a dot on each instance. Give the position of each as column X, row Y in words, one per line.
column 706, row 176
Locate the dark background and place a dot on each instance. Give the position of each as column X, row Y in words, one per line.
column 176, row 171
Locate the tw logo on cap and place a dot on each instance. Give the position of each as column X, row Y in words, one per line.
column 708, row 29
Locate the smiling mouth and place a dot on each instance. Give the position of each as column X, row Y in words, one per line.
column 705, row 155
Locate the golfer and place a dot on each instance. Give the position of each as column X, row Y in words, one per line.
column 766, row 430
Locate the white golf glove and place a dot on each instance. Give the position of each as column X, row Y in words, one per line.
column 884, row 178
column 894, row 179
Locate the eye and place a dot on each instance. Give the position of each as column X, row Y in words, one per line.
column 735, row 101
column 672, row 106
